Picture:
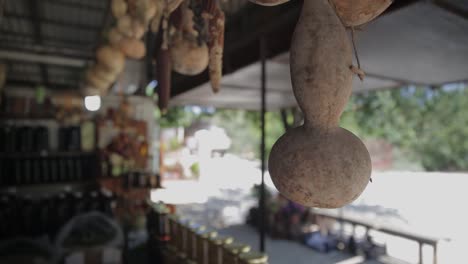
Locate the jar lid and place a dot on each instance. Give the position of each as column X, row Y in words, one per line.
column 171, row 248
column 196, row 227
column 208, row 234
column 254, row 257
column 222, row 240
column 237, row 248
column 174, row 217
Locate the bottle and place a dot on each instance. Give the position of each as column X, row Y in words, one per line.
column 36, row 171
column 53, row 168
column 70, row 174
column 45, row 169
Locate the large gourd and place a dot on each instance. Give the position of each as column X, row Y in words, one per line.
column 320, row 164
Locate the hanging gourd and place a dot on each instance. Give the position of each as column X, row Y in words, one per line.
column 320, row 164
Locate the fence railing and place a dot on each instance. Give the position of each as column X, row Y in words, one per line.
column 420, row 239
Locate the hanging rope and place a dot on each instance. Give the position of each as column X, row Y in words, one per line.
column 358, row 71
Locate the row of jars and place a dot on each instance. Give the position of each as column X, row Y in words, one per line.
column 190, row 243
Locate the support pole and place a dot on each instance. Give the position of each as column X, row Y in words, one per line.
column 262, row 145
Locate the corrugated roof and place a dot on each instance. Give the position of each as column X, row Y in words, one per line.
column 70, row 28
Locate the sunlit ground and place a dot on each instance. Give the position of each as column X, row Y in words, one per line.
column 431, row 204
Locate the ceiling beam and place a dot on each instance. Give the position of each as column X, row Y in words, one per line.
column 28, row 37
column 40, row 58
column 76, row 4
column 21, row 83
column 80, row 26
column 63, row 51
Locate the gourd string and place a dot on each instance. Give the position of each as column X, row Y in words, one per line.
column 356, row 70
column 354, row 48
column 360, row 73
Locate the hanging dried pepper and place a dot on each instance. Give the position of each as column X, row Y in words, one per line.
column 216, row 24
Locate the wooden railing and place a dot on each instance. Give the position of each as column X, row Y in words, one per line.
column 420, row 239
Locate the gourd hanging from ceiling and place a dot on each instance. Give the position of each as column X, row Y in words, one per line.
column 192, row 33
column 320, row 164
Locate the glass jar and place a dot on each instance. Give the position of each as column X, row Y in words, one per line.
column 215, row 246
column 253, row 258
column 170, row 255
column 232, row 251
column 202, row 245
column 192, row 240
column 174, row 233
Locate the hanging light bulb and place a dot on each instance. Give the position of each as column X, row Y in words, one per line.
column 92, row 103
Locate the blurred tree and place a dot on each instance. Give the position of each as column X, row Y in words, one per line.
column 430, row 122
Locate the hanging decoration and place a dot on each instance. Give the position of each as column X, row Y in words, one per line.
column 320, row 164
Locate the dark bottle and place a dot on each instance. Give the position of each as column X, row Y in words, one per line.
column 27, row 139
column 36, row 171
column 41, row 139
column 20, row 137
column 70, row 176
column 62, row 138
column 10, row 139
column 93, row 203
column 79, row 168
column 4, row 216
column 62, row 176
column 45, row 169
column 79, row 203
column 18, row 172
column 3, row 173
column 53, row 168
column 74, row 140
column 3, row 135
column 27, row 171
column 61, row 215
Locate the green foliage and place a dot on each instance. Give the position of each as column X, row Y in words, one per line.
column 244, row 129
column 195, row 169
column 432, row 123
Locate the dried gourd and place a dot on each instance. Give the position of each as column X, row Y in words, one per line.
column 119, row 8
column 111, row 58
column 125, row 26
column 187, row 56
column 320, row 164
column 355, row 13
column 133, row 48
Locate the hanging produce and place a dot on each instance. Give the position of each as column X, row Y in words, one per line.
column 189, row 54
column 132, row 22
column 355, row 13
column 133, row 48
column 320, row 164
column 269, row 2
column 216, row 24
column 119, row 8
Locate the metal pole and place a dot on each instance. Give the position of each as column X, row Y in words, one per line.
column 262, row 145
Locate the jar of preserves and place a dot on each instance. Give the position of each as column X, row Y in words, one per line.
column 253, row 258
column 232, row 251
column 215, row 246
column 202, row 245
